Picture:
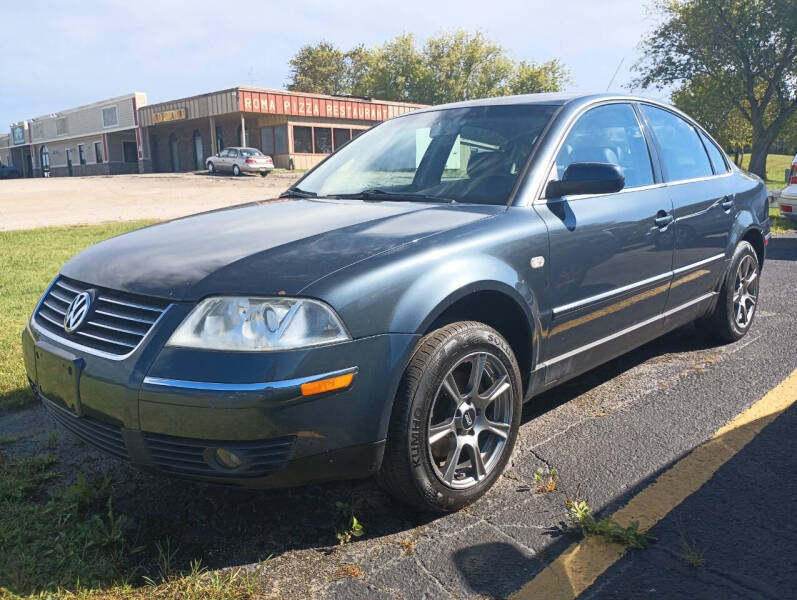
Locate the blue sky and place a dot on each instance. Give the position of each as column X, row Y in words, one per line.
column 56, row 55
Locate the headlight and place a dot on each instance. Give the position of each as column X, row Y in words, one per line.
column 235, row 323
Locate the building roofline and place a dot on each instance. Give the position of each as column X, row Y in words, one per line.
column 67, row 111
column 248, row 88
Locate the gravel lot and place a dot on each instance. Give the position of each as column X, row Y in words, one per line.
column 609, row 433
column 78, row 200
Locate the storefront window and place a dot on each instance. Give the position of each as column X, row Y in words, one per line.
column 267, row 140
column 81, row 150
column 219, row 139
column 303, row 139
column 281, row 140
column 323, row 140
column 356, row 132
column 341, row 137
column 98, row 152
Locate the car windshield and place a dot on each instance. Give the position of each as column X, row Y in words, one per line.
column 250, row 152
column 471, row 155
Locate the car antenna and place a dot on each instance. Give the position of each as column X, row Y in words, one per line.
column 617, row 70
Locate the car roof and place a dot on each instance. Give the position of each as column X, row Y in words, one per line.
column 545, row 99
column 240, row 148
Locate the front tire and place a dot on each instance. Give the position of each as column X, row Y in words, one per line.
column 733, row 315
column 455, row 419
column 211, row 168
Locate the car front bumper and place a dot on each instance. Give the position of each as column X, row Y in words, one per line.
column 169, row 409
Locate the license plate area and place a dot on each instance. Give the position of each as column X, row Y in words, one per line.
column 58, row 376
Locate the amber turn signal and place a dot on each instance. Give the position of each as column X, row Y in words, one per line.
column 327, row 385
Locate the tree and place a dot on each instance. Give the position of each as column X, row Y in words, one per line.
column 321, row 69
column 447, row 67
column 746, row 48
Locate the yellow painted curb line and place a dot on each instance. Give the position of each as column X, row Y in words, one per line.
column 583, row 562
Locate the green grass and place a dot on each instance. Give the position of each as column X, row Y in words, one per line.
column 29, row 259
column 776, row 167
column 75, row 545
column 777, row 223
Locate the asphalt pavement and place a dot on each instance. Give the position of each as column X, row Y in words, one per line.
column 609, row 433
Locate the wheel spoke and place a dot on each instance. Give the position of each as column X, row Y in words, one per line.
column 451, row 462
column 499, row 429
column 440, row 431
column 476, row 373
column 450, row 384
column 751, row 277
column 476, row 461
column 491, row 395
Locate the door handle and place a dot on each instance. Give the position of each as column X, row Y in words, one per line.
column 727, row 203
column 663, row 220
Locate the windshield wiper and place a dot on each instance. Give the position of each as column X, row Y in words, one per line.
column 377, row 194
column 295, row 192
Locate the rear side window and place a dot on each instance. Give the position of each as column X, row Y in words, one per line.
column 609, row 134
column 682, row 153
column 715, row 154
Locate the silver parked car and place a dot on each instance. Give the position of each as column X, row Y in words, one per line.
column 237, row 160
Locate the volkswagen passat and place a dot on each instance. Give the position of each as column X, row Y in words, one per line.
column 393, row 313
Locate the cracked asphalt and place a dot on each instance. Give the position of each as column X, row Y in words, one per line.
column 609, row 433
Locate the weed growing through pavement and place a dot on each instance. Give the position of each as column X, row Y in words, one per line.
column 545, row 479
column 580, row 514
column 690, row 553
column 348, row 527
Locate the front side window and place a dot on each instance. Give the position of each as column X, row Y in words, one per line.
column 608, row 134
column 682, row 153
column 715, row 154
column 472, row 154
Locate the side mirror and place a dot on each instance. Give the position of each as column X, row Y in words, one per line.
column 587, row 178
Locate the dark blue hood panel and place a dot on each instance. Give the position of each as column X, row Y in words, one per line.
column 260, row 248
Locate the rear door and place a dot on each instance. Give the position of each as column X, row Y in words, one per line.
column 610, row 254
column 700, row 187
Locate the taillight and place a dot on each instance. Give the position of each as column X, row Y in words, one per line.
column 250, row 161
column 785, row 208
column 793, row 178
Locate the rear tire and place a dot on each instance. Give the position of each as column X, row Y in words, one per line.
column 449, row 440
column 236, row 170
column 264, row 173
column 733, row 315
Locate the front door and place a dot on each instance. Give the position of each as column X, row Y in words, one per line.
column 610, row 254
column 702, row 196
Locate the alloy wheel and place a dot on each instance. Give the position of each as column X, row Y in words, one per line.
column 470, row 420
column 745, row 294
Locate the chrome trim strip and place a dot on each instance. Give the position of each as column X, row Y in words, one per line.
column 625, row 331
column 210, row 386
column 128, row 304
column 631, row 286
column 610, row 293
column 699, row 263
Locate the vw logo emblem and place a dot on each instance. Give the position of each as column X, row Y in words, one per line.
column 77, row 311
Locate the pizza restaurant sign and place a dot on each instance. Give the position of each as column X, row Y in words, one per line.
column 178, row 114
column 307, row 106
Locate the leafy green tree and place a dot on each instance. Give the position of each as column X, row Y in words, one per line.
column 447, row 67
column 747, row 48
column 322, row 69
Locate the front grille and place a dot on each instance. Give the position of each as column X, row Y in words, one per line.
column 190, row 457
column 104, row 436
column 116, row 324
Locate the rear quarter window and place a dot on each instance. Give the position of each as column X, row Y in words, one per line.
column 682, row 153
column 715, row 154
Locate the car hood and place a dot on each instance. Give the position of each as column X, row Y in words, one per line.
column 260, row 248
